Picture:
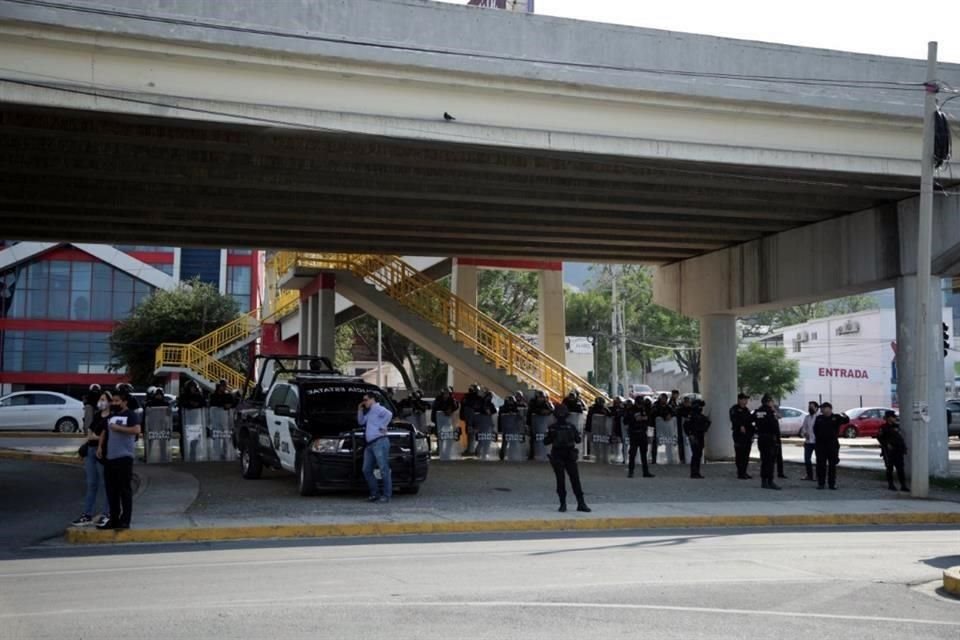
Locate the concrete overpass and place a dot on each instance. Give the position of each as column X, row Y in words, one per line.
column 321, row 126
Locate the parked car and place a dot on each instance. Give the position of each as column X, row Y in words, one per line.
column 41, row 410
column 865, row 422
column 953, row 418
column 303, row 419
column 791, row 420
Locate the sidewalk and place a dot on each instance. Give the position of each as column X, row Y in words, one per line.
column 209, row 501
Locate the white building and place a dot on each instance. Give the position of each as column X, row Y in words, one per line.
column 847, row 360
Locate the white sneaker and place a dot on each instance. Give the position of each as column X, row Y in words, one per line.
column 102, row 520
column 83, row 521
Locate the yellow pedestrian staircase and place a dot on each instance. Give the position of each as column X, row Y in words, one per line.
column 454, row 317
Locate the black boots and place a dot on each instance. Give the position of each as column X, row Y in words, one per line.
column 563, row 506
column 582, row 506
column 769, row 484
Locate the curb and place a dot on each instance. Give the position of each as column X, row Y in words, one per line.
column 951, row 581
column 211, row 534
column 40, row 434
column 14, row 454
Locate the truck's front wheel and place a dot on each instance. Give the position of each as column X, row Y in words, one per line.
column 251, row 467
column 305, row 482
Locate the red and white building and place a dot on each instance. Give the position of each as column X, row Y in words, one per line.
column 60, row 302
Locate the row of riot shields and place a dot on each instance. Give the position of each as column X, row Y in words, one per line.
column 205, row 434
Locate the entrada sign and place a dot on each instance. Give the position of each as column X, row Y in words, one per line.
column 834, row 372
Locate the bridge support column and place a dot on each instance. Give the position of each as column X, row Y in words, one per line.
column 910, row 355
column 318, row 317
column 551, row 314
column 718, row 344
column 463, row 283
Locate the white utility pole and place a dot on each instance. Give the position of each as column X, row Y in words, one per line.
column 614, row 373
column 919, row 449
column 379, row 354
column 622, row 336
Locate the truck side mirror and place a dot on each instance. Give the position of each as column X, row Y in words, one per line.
column 284, row 410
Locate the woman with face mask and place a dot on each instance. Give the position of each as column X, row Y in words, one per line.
column 92, row 466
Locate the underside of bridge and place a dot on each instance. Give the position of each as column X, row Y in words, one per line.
column 105, row 177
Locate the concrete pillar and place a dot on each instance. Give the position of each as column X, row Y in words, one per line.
column 909, row 354
column 552, row 321
column 318, row 317
column 718, row 373
column 326, row 319
column 463, row 283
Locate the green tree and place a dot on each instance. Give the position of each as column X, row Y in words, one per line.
column 763, row 370
column 181, row 315
column 343, row 347
column 418, row 368
column 509, row 297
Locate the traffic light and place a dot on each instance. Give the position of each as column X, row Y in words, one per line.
column 946, row 340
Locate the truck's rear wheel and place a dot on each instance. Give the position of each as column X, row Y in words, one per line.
column 305, row 482
column 251, row 467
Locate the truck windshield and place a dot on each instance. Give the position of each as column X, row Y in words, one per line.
column 335, row 405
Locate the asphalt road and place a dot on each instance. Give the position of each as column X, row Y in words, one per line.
column 817, row 583
column 37, row 500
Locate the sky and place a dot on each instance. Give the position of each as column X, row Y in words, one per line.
column 884, row 28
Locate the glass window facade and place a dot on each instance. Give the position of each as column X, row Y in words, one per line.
column 65, row 290
column 239, row 286
column 55, row 351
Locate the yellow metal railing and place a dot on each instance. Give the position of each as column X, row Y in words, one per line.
column 199, row 355
column 189, row 357
column 453, row 315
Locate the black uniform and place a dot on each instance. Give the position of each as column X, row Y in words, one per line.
column 223, row 400
column 635, row 420
column 768, row 434
column 574, row 404
column 563, row 458
column 659, row 410
column 446, row 403
column 595, row 410
column 507, row 410
column 741, row 424
column 893, row 447
column 827, row 432
column 696, row 427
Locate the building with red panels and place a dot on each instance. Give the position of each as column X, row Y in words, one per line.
column 60, row 302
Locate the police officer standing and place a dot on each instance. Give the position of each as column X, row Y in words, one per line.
column 636, row 420
column 768, row 433
column 683, row 411
column 827, row 432
column 741, row 424
column 893, row 447
column 696, row 427
column 221, row 397
column 598, row 408
column 660, row 410
column 445, row 403
column 563, row 457
column 509, row 408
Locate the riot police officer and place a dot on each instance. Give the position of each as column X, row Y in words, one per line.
column 742, row 427
column 661, row 409
column 471, row 406
column 445, row 403
column 893, row 447
column 507, row 409
column 695, row 427
column 826, row 430
column 768, row 434
column 573, row 402
column 682, row 410
column 521, row 400
column 636, row 420
column 563, row 457
column 598, row 408
column 221, row 397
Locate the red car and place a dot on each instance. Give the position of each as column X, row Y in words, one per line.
column 865, row 422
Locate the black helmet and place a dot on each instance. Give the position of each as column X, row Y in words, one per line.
column 561, row 411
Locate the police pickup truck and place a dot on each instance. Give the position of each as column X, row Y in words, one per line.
column 301, row 417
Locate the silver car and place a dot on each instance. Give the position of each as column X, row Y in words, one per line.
column 40, row 410
column 790, row 421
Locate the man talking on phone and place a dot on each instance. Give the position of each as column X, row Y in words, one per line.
column 376, row 419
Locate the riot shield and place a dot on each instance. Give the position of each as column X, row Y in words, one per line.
column 193, row 440
column 448, row 435
column 514, row 430
column 600, row 426
column 667, row 440
column 487, row 447
column 540, row 426
column 158, row 431
column 220, row 427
